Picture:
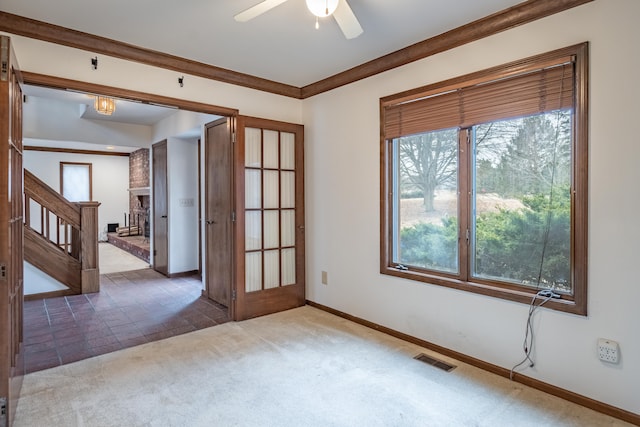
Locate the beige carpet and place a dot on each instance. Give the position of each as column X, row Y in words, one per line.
column 299, row 368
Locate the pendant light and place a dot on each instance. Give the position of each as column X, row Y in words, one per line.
column 104, row 105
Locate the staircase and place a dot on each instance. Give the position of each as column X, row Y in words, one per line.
column 61, row 238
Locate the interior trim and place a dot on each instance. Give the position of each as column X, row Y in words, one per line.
column 579, row 399
column 131, row 95
column 514, row 16
column 50, row 294
column 73, row 151
column 44, row 31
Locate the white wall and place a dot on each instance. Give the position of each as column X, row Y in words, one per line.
column 36, row 281
column 181, row 123
column 110, row 176
column 182, row 185
column 342, row 177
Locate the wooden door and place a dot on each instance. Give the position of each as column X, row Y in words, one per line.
column 11, row 234
column 269, row 182
column 219, row 210
column 160, row 209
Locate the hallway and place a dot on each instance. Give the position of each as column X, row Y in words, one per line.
column 132, row 308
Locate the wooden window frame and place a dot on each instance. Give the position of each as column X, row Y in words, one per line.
column 89, row 166
column 576, row 302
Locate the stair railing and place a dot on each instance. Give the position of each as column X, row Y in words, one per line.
column 70, row 227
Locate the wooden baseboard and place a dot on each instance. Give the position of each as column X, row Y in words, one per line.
column 51, row 294
column 579, row 399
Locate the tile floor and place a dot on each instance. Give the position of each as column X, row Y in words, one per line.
column 132, row 308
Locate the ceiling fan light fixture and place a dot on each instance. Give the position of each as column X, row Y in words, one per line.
column 104, row 105
column 322, row 8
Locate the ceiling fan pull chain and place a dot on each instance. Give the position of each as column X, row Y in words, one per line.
column 326, row 12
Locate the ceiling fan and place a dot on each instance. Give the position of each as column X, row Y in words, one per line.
column 340, row 10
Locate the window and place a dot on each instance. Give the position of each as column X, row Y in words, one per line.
column 484, row 181
column 75, row 181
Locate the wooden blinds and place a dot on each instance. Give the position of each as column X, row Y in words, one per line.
column 535, row 91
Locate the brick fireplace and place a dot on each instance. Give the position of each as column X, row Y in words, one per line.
column 139, row 208
column 139, row 199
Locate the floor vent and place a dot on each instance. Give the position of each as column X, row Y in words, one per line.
column 435, row 362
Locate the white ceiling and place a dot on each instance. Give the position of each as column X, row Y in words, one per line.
column 280, row 45
column 130, row 112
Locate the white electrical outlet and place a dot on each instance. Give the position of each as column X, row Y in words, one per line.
column 608, row 350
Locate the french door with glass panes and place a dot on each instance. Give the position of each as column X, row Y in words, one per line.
column 269, row 181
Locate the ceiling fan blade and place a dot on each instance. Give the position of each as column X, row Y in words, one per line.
column 257, row 10
column 347, row 21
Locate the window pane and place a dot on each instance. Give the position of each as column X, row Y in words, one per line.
column 426, row 200
column 270, row 149
column 287, row 151
column 288, row 189
column 253, row 271
column 252, row 148
column 76, row 182
column 253, row 195
column 288, row 267
column 521, row 203
column 271, row 229
column 271, row 200
column 288, row 234
column 253, row 230
column 271, row 269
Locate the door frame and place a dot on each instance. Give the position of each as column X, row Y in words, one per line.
column 11, row 233
column 76, row 85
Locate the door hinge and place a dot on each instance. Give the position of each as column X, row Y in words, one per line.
column 233, row 216
column 3, row 271
column 468, row 236
column 4, row 58
column 233, row 295
column 3, row 412
column 155, row 252
column 233, row 137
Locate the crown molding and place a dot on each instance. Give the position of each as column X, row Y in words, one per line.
column 517, row 15
column 44, row 31
column 74, row 151
column 36, row 79
column 514, row 16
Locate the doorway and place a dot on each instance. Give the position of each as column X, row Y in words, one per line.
column 279, row 282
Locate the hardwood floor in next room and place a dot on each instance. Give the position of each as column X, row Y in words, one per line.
column 132, row 308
